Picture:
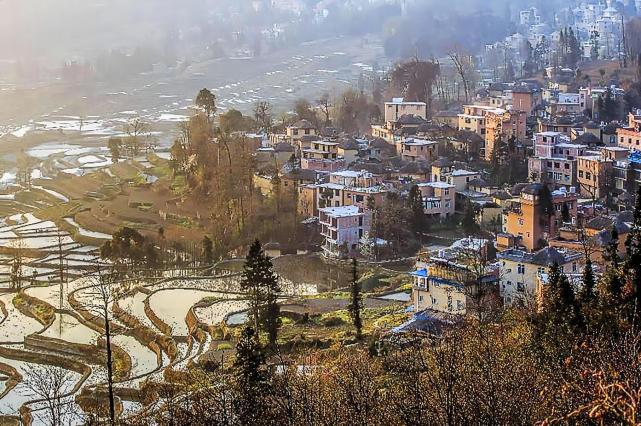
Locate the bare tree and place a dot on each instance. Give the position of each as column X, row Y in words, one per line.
column 135, row 130
column 263, row 115
column 50, row 386
column 17, row 263
column 325, row 106
column 464, row 65
column 105, row 290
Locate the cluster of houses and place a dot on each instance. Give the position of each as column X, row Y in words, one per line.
column 598, row 25
column 582, row 174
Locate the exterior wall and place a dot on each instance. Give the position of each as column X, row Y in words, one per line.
column 460, row 181
column 295, row 134
column 629, row 139
column 472, row 123
column 394, row 110
column 558, row 171
column 518, row 280
column 447, row 120
column 438, row 201
column 359, row 180
column 439, row 297
column 528, row 223
column 383, row 132
column 489, row 215
column 416, row 151
column 523, row 102
column 322, row 165
column 593, row 176
column 343, row 232
column 308, row 200
column 505, row 125
column 518, row 283
column 359, row 198
column 350, row 156
column 345, row 196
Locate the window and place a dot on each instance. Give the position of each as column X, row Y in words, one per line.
column 459, row 305
column 521, row 222
column 574, row 267
column 567, row 166
column 520, row 287
column 580, row 173
column 521, row 269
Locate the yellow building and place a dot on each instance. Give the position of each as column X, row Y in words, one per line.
column 530, row 224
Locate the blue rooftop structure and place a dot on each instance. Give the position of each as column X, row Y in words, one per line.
column 635, row 157
column 422, row 273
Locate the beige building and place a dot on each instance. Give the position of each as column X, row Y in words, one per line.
column 519, row 271
column 473, row 119
column 299, row 130
column 448, row 281
column 439, row 198
column 417, row 149
column 399, row 107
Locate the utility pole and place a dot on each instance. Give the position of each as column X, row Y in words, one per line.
column 61, row 267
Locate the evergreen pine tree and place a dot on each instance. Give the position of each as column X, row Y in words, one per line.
column 633, row 266
column 611, row 253
column 560, row 305
column 208, row 250
column 586, row 295
column 261, row 285
column 611, row 284
column 418, row 221
column 468, row 222
column 271, row 315
column 251, row 379
column 356, row 302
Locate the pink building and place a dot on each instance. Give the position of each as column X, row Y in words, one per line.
column 343, row 228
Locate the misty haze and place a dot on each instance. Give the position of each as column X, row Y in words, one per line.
column 320, row 212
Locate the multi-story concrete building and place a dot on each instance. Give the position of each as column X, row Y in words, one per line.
column 555, row 159
column 630, row 137
column 504, row 125
column 414, row 149
column 519, row 271
column 439, row 198
column 595, row 173
column 299, row 130
column 530, row 222
column 343, row 228
column 457, row 280
column 322, row 156
column 399, row 107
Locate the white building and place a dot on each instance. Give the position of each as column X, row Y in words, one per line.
column 343, row 228
column 519, row 272
column 399, row 107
